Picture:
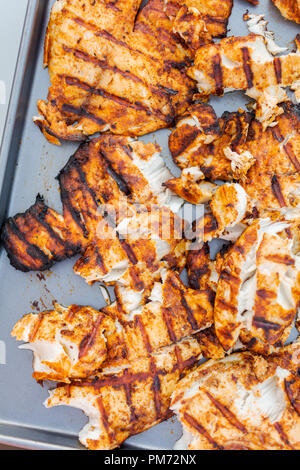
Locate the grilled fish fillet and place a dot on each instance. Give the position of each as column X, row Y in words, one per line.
column 75, row 342
column 264, row 161
column 258, row 291
column 68, row 343
column 130, row 400
column 243, row 402
column 290, row 9
column 243, row 63
column 115, row 69
column 106, row 184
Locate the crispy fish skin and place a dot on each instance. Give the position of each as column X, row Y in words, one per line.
column 290, row 9
column 244, row 402
column 129, row 401
column 257, row 293
column 68, row 343
column 99, row 187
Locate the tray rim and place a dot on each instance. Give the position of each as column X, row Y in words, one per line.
column 17, row 435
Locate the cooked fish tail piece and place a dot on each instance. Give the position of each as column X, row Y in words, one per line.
column 243, row 63
column 242, row 402
column 290, row 9
column 106, row 175
column 258, row 291
column 123, row 402
column 68, row 343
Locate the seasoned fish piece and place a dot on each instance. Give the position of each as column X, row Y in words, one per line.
column 68, row 343
column 76, row 342
column 173, row 312
column 198, row 21
column 258, row 291
column 190, row 186
column 229, row 207
column 203, row 272
column 242, row 402
column 200, row 139
column 211, row 347
column 124, row 402
column 103, row 184
column 290, row 9
column 136, row 251
column 243, row 63
column 264, row 160
column 115, row 69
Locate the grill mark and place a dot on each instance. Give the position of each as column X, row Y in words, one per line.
column 40, row 218
column 105, row 420
column 260, row 322
column 168, row 322
column 36, row 328
column 72, row 81
column 158, row 89
column 138, row 323
column 294, row 403
column 128, row 250
column 226, row 305
column 247, row 67
column 75, row 214
column 185, row 143
column 227, row 276
column 194, row 424
column 281, row 259
column 128, row 393
column 218, row 74
column 119, row 381
column 190, row 315
column 276, row 189
column 99, row 261
column 277, row 68
column 215, row 19
column 72, row 312
column 89, row 340
column 282, row 435
column 109, row 37
column 179, row 360
column 277, row 134
column 187, row 363
column 293, row 158
column 156, row 388
column 122, row 184
column 227, row 413
column 82, row 111
column 32, row 250
column 106, row 35
column 82, row 176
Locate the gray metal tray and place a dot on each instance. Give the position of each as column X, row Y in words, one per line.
column 28, row 165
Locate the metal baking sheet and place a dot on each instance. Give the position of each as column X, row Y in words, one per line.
column 28, row 165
